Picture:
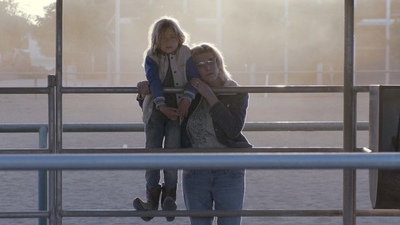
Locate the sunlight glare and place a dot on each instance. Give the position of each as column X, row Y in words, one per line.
column 33, row 8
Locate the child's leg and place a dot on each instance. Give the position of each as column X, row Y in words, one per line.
column 172, row 140
column 154, row 130
column 154, row 138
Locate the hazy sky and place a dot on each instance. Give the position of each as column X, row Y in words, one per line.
column 33, row 7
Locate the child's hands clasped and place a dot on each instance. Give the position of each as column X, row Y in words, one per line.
column 170, row 112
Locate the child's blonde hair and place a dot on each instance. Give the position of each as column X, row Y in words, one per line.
column 158, row 28
column 208, row 47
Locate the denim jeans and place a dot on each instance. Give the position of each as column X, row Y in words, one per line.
column 222, row 188
column 162, row 132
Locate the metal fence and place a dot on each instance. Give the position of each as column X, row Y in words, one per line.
column 43, row 158
column 54, row 158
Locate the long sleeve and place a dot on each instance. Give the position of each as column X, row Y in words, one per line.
column 191, row 72
column 153, row 76
column 230, row 113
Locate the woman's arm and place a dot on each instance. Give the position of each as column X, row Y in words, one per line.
column 229, row 113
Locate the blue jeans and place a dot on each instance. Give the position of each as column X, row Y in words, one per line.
column 162, row 132
column 222, row 188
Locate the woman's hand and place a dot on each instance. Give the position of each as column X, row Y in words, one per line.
column 201, row 86
column 205, row 90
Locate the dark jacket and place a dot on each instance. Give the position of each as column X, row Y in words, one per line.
column 228, row 116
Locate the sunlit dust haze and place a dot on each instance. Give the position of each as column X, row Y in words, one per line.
column 33, row 7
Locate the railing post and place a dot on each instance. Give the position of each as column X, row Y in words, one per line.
column 42, row 177
column 58, row 111
column 349, row 116
column 52, row 145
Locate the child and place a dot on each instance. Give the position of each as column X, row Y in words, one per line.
column 168, row 63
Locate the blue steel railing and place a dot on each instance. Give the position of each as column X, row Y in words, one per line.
column 200, row 161
column 299, row 158
column 44, row 159
column 55, row 213
column 347, row 160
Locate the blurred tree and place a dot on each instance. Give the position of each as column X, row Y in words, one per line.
column 84, row 32
column 14, row 30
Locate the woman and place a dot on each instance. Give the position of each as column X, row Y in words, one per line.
column 214, row 121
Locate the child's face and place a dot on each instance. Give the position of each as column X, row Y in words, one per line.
column 169, row 41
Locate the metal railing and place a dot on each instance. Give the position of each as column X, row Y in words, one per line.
column 56, row 158
column 43, row 159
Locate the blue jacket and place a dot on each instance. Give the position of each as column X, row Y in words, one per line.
column 228, row 116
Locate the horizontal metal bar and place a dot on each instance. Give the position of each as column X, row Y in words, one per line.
column 115, row 127
column 244, row 88
column 378, row 212
column 301, row 126
column 203, row 150
column 23, row 90
column 349, row 160
column 180, row 150
column 139, row 127
column 21, row 128
column 132, row 90
column 222, row 213
column 36, row 214
column 21, row 151
column 202, row 213
column 188, row 213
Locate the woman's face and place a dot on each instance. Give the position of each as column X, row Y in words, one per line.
column 169, row 41
column 207, row 67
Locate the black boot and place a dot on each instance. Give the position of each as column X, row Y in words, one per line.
column 168, row 203
column 153, row 198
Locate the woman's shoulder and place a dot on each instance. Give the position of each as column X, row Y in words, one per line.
column 231, row 83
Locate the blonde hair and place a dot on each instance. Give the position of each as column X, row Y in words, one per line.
column 158, row 28
column 208, row 47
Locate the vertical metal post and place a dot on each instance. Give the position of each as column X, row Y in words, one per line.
column 42, row 177
column 349, row 117
column 51, row 83
column 286, row 47
column 117, row 41
column 57, row 207
column 387, row 40
column 59, row 15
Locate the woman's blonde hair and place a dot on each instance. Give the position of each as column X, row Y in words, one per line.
column 208, row 47
column 158, row 28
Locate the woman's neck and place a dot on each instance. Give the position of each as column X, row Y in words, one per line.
column 217, row 83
